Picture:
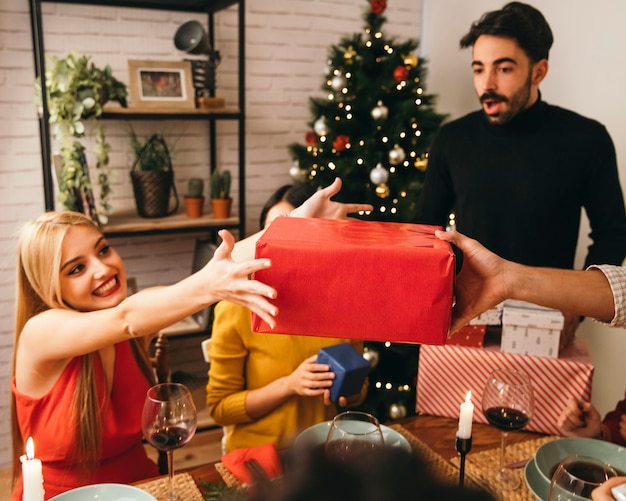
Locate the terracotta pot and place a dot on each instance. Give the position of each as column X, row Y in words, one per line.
column 194, row 206
column 221, row 207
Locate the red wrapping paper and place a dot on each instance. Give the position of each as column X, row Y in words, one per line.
column 358, row 280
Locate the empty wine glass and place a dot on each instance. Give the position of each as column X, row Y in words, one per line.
column 351, row 432
column 508, row 404
column 576, row 476
column 168, row 421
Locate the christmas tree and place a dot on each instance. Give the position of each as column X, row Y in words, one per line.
column 374, row 126
column 373, row 130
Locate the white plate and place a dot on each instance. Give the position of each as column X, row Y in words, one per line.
column 316, row 435
column 535, row 480
column 551, row 453
column 105, row 492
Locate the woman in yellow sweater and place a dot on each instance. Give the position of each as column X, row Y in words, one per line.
column 267, row 388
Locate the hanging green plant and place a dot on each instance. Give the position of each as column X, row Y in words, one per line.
column 76, row 91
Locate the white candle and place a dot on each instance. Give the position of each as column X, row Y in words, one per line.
column 465, row 418
column 32, row 476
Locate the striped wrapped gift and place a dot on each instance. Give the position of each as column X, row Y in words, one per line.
column 447, row 372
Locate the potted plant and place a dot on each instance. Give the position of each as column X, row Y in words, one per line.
column 194, row 199
column 152, row 176
column 220, row 194
column 76, row 91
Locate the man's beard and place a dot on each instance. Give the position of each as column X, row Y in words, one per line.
column 517, row 103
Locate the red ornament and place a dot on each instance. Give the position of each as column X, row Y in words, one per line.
column 400, row 73
column 340, row 142
column 310, row 138
column 378, row 6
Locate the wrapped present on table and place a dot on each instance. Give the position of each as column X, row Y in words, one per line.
column 356, row 279
column 492, row 316
column 446, row 373
column 349, row 366
column 470, row 335
column 529, row 329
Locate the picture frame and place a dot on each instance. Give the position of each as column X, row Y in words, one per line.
column 163, row 85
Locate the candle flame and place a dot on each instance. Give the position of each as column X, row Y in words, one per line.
column 468, row 396
column 30, row 448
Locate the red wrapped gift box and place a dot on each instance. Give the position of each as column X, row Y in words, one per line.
column 470, row 335
column 358, row 280
column 446, row 373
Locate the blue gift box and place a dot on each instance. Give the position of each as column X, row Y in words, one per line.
column 349, row 366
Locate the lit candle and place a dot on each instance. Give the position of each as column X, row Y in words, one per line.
column 465, row 418
column 32, row 476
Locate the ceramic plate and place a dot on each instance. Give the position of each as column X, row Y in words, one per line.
column 316, row 435
column 105, row 492
column 551, row 453
column 535, row 480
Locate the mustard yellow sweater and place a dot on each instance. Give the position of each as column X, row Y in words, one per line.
column 242, row 360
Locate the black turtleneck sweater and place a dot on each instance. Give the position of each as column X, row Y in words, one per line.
column 519, row 188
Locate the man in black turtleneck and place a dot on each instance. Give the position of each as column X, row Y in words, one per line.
column 517, row 173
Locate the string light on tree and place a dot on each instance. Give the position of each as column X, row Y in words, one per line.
column 387, row 99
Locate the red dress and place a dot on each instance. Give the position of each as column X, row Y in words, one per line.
column 124, row 459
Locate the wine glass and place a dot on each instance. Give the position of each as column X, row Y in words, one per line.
column 351, row 432
column 576, row 476
column 508, row 404
column 168, row 421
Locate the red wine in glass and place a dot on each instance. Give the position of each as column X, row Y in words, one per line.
column 506, row 419
column 507, row 403
column 169, row 437
column 168, row 422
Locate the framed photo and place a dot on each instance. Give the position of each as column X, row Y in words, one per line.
column 161, row 84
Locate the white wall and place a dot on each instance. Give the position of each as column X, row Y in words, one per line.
column 287, row 43
column 586, row 75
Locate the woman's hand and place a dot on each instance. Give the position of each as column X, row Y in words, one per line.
column 310, row 379
column 603, row 493
column 229, row 280
column 580, row 420
column 320, row 205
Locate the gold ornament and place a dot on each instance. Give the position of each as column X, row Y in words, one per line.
column 410, row 60
column 349, row 54
column 421, row 163
column 382, row 190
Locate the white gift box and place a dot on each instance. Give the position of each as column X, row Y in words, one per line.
column 492, row 316
column 528, row 329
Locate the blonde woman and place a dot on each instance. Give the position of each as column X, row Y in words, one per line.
column 80, row 369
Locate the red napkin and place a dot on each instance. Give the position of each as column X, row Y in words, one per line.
column 265, row 455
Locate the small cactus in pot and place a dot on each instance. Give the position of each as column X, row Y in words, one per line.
column 220, row 184
column 194, row 199
column 220, row 194
column 195, row 187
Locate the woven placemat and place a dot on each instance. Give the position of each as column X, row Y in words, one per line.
column 444, row 470
column 483, row 466
column 229, row 479
column 185, row 486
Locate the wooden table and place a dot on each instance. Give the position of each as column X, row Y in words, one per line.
column 438, row 433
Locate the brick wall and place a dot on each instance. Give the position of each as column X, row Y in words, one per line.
column 287, row 41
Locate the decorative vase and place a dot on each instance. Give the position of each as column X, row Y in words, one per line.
column 194, row 206
column 221, row 207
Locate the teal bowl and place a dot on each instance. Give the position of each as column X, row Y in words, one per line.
column 551, row 453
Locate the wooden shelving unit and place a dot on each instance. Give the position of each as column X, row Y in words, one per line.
column 211, row 115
